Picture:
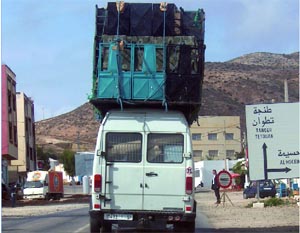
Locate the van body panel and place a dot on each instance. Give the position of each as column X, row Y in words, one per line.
column 125, row 191
column 166, row 190
column 144, row 158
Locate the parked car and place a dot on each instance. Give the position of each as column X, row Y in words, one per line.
column 266, row 189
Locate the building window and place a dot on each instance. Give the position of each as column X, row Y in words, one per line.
column 197, row 153
column 213, row 153
column 212, row 136
column 196, row 136
column 16, row 135
column 229, row 153
column 229, row 136
column 14, row 102
column 29, row 126
column 26, row 124
column 9, row 101
column 10, row 132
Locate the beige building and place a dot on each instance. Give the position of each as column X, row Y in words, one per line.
column 26, row 140
column 217, row 137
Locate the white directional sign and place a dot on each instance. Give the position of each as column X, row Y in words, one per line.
column 273, row 140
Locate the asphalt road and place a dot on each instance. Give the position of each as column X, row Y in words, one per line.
column 77, row 221
column 60, row 222
column 73, row 221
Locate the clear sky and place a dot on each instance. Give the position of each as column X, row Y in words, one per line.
column 49, row 44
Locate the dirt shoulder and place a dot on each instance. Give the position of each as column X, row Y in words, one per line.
column 40, row 207
column 239, row 217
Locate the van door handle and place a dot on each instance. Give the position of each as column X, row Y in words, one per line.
column 151, row 174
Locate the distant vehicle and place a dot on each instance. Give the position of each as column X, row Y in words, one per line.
column 198, row 182
column 266, row 189
column 44, row 185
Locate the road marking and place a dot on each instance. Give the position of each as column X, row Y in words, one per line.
column 82, row 228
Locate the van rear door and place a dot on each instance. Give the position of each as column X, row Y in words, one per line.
column 164, row 177
column 124, row 184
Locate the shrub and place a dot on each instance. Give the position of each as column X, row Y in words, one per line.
column 274, row 202
column 271, row 202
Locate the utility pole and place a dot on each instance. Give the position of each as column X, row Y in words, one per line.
column 225, row 155
column 245, row 147
column 78, row 141
column 286, row 91
column 286, row 100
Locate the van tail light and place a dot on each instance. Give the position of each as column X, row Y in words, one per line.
column 189, row 185
column 97, row 183
column 188, row 208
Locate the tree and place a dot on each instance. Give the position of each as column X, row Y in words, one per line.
column 240, row 168
column 43, row 157
column 240, row 155
column 68, row 159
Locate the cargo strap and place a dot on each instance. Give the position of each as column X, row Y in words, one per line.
column 163, row 7
column 119, row 99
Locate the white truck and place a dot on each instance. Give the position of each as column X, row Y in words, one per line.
column 143, row 171
column 44, row 185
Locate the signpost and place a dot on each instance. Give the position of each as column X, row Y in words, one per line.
column 273, row 140
column 224, row 180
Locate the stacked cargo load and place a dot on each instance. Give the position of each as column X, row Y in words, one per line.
column 148, row 56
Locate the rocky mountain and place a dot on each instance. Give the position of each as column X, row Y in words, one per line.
column 228, row 86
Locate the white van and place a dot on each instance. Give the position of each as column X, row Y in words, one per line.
column 143, row 172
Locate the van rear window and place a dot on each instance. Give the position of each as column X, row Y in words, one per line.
column 165, row 148
column 124, row 147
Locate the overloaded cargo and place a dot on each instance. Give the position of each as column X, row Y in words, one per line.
column 148, row 56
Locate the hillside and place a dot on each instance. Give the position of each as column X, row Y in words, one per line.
column 227, row 88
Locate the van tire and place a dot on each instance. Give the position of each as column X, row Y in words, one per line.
column 95, row 225
column 106, row 227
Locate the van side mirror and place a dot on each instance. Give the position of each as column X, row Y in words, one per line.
column 101, row 153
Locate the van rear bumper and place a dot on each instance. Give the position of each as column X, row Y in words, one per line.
column 162, row 216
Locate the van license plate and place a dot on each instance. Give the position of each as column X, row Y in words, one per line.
column 124, row 217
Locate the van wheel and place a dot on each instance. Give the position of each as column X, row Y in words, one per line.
column 184, row 227
column 95, row 225
column 107, row 227
column 245, row 196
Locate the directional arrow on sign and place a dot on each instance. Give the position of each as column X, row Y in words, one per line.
column 286, row 170
column 266, row 170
